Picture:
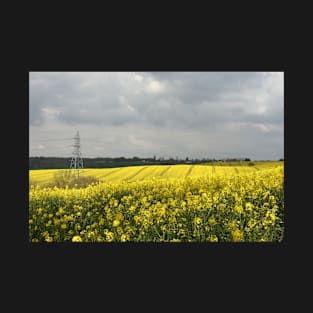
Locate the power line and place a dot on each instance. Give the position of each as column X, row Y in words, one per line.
column 76, row 161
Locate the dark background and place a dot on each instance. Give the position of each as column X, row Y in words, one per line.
column 145, row 276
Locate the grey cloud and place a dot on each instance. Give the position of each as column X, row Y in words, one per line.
column 178, row 112
column 202, row 98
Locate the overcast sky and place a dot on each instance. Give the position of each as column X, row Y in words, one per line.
column 166, row 114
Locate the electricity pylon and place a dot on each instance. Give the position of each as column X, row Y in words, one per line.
column 76, row 161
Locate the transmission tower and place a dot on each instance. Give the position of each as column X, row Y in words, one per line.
column 76, row 161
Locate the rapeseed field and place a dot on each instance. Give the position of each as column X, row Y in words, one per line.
column 186, row 203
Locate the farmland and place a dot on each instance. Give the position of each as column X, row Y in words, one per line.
column 134, row 173
column 170, row 203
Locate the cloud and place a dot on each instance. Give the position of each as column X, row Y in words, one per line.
column 181, row 113
column 155, row 86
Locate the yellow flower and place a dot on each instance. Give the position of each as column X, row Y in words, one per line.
column 132, row 208
column 249, row 206
column 124, row 238
column 116, row 223
column 271, row 215
column 99, row 238
column 238, row 209
column 197, row 220
column 252, row 223
column 90, row 234
column 109, row 236
column 119, row 216
column 213, row 238
column 162, row 211
column 160, row 208
column 212, row 221
column 77, row 239
column 237, row 235
column 207, row 228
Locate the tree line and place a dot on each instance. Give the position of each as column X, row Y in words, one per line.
column 61, row 162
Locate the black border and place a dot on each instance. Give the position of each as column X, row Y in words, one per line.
column 192, row 260
column 241, row 277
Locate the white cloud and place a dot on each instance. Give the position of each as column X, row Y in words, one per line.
column 155, row 87
column 263, row 127
column 138, row 77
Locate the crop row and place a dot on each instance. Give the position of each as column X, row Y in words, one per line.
column 220, row 208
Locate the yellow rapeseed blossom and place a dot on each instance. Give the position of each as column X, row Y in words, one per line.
column 238, row 209
column 197, row 221
column 232, row 224
column 109, row 236
column 119, row 216
column 124, row 238
column 116, row 223
column 213, row 238
column 237, row 235
column 271, row 215
column 246, row 204
column 252, row 223
column 48, row 239
column 249, row 206
column 212, row 221
column 77, row 239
